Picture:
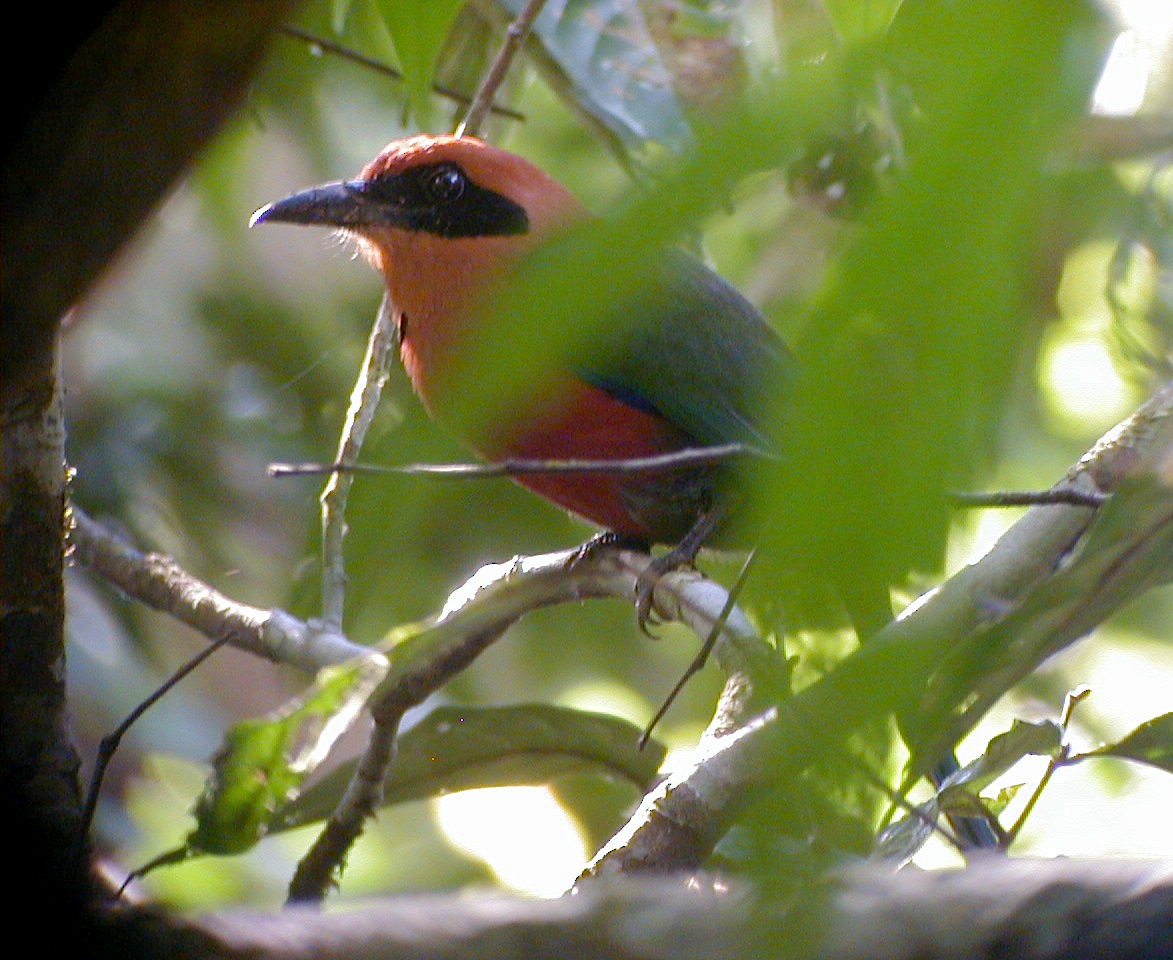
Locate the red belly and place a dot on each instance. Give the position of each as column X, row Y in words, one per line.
column 590, row 424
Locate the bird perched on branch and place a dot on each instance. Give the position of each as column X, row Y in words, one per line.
column 443, row 218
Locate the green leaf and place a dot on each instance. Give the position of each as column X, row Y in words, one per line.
column 998, row 803
column 958, row 795
column 418, row 29
column 464, row 748
column 900, row 840
column 263, row 761
column 600, row 57
column 1002, row 752
column 907, row 357
column 861, row 21
column 1151, row 743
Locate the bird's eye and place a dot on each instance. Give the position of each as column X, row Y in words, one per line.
column 446, row 183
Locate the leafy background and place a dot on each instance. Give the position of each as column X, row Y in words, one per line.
column 213, row 351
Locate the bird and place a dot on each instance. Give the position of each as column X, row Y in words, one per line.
column 690, row 364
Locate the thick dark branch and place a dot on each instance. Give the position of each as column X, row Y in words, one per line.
column 1025, row 910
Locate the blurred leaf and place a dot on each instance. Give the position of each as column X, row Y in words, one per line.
column 1151, row 743
column 463, row 62
column 339, row 11
column 901, row 840
column 464, row 748
column 592, row 272
column 906, row 359
column 418, row 29
column 861, row 21
column 264, row 760
column 806, row 32
column 600, row 58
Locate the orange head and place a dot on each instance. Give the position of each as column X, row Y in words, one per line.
column 437, row 216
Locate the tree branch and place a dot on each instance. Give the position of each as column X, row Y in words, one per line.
column 515, row 36
column 475, row 617
column 1028, row 574
column 1029, row 910
column 160, row 583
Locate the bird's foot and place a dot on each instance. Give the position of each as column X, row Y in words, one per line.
column 607, row 540
column 646, row 583
column 682, row 555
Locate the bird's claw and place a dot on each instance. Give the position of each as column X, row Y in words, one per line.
column 645, row 587
column 682, row 555
column 647, row 581
column 607, row 540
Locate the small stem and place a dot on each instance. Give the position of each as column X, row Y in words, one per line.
column 347, row 53
column 1031, row 498
column 364, row 399
column 702, row 657
column 110, row 743
column 515, row 36
column 689, row 456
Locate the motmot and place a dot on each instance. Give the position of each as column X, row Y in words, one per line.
column 690, row 364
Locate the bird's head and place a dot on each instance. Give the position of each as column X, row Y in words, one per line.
column 443, row 188
column 439, row 218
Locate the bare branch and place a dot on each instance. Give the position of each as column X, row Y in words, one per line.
column 515, row 36
column 689, row 456
column 364, row 400
column 476, row 616
column 378, row 66
column 159, row 582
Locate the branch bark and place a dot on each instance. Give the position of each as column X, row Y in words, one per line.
column 1028, row 910
column 105, row 141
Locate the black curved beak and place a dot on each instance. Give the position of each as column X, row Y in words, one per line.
column 344, row 203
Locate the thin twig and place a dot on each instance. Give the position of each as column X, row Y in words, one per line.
column 702, row 657
column 1068, row 496
column 482, row 101
column 690, row 456
column 316, row 871
column 364, row 400
column 110, row 743
column 1070, row 702
column 378, row 66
